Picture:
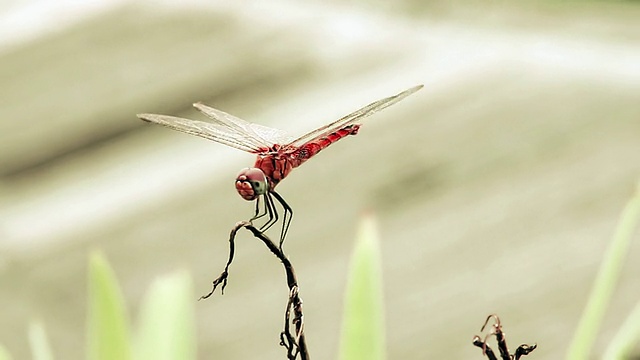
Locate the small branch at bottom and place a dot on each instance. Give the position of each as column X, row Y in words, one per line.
column 496, row 330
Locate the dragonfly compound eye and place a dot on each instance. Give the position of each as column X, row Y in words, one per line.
column 251, row 183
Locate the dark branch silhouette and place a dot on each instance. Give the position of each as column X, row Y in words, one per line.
column 496, row 330
column 293, row 341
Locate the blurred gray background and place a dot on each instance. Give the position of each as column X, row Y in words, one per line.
column 497, row 187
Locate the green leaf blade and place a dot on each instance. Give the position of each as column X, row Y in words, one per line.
column 624, row 342
column 39, row 342
column 107, row 321
column 167, row 325
column 4, row 354
column 606, row 281
column 363, row 323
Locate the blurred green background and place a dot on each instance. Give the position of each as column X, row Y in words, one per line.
column 497, row 186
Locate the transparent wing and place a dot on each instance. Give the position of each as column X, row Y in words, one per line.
column 219, row 133
column 353, row 117
column 258, row 135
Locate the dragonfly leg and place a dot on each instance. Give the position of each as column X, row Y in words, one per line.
column 287, row 219
column 271, row 210
column 257, row 214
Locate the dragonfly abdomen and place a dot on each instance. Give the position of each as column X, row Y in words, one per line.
column 308, row 150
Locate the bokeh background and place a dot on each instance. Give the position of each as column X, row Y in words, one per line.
column 497, row 187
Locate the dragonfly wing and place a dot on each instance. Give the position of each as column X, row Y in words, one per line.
column 273, row 135
column 218, row 133
column 259, row 135
column 353, row 117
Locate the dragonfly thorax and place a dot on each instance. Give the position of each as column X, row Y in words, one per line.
column 251, row 183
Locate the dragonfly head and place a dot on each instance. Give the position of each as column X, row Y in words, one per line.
column 251, row 183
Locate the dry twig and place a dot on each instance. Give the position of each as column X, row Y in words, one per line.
column 496, row 330
column 293, row 341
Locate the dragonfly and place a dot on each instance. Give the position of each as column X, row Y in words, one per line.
column 277, row 152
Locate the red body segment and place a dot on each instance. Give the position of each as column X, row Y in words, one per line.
column 278, row 163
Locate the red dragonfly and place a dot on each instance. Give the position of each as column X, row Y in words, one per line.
column 278, row 153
